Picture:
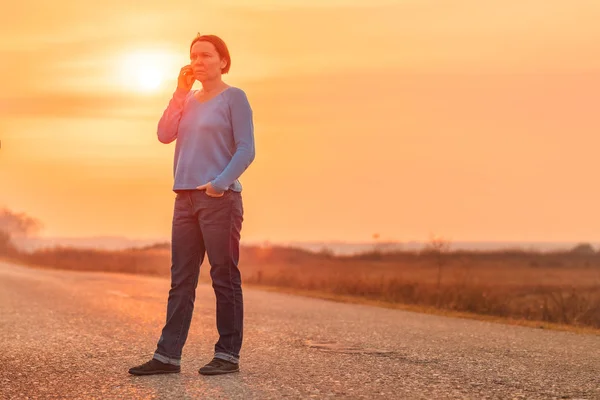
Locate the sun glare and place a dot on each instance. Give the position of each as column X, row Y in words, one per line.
column 145, row 71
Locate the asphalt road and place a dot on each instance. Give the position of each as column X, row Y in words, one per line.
column 74, row 336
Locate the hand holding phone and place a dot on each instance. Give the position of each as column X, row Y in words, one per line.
column 186, row 78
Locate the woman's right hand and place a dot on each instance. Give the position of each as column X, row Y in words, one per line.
column 186, row 78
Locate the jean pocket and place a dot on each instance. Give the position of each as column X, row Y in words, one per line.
column 216, row 197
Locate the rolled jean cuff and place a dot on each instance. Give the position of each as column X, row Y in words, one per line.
column 167, row 360
column 227, row 357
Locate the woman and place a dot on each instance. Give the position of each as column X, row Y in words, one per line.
column 215, row 144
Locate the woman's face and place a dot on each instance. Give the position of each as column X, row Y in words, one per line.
column 205, row 61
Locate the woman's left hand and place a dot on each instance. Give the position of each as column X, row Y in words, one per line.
column 210, row 190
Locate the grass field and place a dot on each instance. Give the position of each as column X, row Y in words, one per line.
column 561, row 287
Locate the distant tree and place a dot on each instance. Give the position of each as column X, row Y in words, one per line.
column 7, row 247
column 326, row 252
column 439, row 246
column 14, row 225
column 583, row 248
column 18, row 224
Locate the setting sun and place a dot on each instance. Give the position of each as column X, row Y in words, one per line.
column 145, row 70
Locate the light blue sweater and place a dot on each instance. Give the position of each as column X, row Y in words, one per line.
column 215, row 138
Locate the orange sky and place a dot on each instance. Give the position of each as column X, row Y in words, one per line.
column 467, row 119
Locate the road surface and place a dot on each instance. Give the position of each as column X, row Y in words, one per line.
column 74, row 335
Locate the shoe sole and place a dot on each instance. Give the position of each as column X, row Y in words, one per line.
column 140, row 373
column 218, row 372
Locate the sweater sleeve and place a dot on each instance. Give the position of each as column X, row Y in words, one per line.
column 243, row 135
column 169, row 122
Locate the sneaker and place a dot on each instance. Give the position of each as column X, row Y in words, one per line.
column 154, row 367
column 218, row 367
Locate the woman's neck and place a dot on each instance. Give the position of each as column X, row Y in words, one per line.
column 212, row 86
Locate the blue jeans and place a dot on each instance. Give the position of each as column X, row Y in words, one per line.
column 204, row 225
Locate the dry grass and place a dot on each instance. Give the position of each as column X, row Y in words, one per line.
column 553, row 288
